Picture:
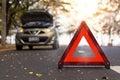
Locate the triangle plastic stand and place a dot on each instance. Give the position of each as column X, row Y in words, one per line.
column 67, row 60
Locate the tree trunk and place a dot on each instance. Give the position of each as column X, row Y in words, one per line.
column 3, row 32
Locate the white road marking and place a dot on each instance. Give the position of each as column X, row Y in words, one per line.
column 116, row 68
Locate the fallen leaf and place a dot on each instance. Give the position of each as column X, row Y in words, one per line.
column 19, row 63
column 25, row 68
column 5, row 55
column 60, row 70
column 30, row 73
column 51, row 71
column 15, row 76
column 14, row 67
column 12, row 54
column 40, row 58
column 78, row 70
column 44, row 56
column 16, row 54
column 2, row 59
column 96, row 79
column 81, row 72
column 6, row 75
column 11, row 65
column 49, row 74
column 38, row 54
column 38, row 75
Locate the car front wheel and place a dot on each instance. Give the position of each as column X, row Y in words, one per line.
column 30, row 47
column 19, row 47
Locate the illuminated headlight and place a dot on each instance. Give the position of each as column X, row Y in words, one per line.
column 49, row 29
column 20, row 30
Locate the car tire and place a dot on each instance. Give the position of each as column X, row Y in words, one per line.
column 19, row 47
column 31, row 47
column 56, row 45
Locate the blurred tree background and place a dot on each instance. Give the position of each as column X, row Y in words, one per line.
column 16, row 7
column 106, row 18
column 0, row 15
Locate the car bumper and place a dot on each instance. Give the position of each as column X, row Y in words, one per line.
column 47, row 39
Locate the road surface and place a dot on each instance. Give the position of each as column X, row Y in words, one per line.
column 42, row 64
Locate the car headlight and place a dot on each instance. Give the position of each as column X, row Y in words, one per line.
column 48, row 30
column 20, row 30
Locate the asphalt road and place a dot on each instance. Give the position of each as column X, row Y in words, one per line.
column 41, row 64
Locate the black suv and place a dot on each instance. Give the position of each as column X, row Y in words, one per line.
column 37, row 29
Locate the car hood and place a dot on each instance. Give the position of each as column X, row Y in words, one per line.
column 36, row 16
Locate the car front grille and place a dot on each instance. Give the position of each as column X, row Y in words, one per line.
column 34, row 32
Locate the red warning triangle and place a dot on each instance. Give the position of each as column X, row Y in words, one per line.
column 98, row 60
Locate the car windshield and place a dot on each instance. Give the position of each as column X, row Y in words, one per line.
column 38, row 24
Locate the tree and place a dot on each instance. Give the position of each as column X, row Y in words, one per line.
column 108, row 17
column 10, row 10
column 14, row 9
column 108, row 13
column 3, row 22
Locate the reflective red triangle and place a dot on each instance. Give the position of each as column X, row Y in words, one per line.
column 68, row 60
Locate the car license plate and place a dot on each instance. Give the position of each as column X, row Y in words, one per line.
column 33, row 39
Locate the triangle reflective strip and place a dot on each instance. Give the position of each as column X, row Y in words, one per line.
column 99, row 58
